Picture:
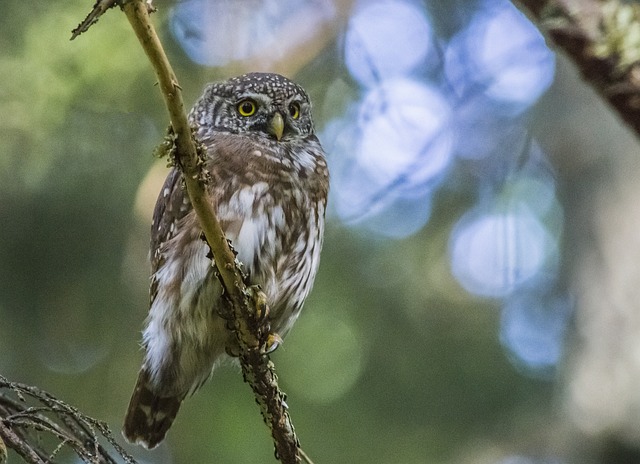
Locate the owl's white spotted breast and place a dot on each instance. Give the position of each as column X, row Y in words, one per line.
column 273, row 214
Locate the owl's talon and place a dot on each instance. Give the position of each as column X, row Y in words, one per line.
column 259, row 299
column 273, row 342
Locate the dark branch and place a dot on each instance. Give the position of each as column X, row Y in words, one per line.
column 595, row 35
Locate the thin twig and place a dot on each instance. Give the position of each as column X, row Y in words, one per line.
column 98, row 10
column 28, row 413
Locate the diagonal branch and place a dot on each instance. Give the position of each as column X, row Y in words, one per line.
column 603, row 39
column 248, row 303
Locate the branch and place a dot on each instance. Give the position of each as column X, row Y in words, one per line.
column 22, row 420
column 98, row 10
column 603, row 40
column 248, row 303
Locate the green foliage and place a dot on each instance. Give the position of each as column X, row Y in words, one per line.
column 48, row 82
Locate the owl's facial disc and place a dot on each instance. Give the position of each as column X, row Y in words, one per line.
column 276, row 118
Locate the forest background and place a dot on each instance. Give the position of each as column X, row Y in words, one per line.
column 477, row 300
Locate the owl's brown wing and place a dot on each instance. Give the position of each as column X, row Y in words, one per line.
column 150, row 415
column 171, row 206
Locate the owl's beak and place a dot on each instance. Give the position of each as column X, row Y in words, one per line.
column 276, row 125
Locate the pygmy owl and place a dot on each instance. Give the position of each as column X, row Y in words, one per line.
column 269, row 183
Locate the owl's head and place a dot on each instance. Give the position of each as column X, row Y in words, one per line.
column 261, row 104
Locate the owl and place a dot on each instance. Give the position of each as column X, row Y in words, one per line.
column 268, row 183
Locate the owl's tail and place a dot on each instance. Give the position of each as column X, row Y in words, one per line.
column 149, row 416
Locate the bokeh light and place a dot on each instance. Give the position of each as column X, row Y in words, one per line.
column 69, row 357
column 496, row 253
column 330, row 361
column 405, row 134
column 502, row 56
column 395, row 156
column 533, row 328
column 481, row 134
column 386, row 39
column 215, row 33
column 398, row 216
column 391, row 149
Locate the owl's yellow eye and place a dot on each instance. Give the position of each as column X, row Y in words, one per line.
column 246, row 107
column 294, row 110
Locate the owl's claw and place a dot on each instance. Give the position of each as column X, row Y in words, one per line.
column 259, row 299
column 273, row 342
column 259, row 302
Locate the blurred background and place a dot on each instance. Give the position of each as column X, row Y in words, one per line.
column 478, row 299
